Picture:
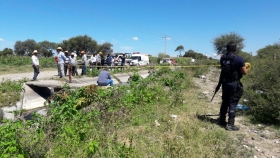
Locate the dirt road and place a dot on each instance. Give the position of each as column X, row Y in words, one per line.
column 29, row 75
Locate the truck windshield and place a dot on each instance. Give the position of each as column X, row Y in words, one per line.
column 136, row 58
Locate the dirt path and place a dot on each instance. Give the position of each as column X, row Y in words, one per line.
column 29, row 75
column 261, row 139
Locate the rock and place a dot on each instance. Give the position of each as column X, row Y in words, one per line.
column 276, row 142
column 42, row 112
column 156, row 123
column 255, row 156
column 246, row 146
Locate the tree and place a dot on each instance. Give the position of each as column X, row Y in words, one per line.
column 47, row 48
column 6, row 52
column 163, row 55
column 270, row 51
column 192, row 54
column 105, row 48
column 26, row 47
column 221, row 42
column 180, row 48
column 80, row 43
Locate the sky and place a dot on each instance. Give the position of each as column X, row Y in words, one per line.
column 145, row 26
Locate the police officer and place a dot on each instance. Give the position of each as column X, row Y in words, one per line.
column 232, row 69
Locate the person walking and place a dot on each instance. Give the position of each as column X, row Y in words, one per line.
column 84, row 63
column 35, row 64
column 104, row 78
column 73, row 63
column 232, row 69
column 66, row 62
column 61, row 59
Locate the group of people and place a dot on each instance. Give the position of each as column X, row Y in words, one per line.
column 66, row 62
column 99, row 60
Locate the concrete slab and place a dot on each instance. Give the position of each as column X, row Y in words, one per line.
column 31, row 99
column 8, row 112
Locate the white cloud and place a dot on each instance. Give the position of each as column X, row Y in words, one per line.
column 2, row 40
column 135, row 38
column 126, row 48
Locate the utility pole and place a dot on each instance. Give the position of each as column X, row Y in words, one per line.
column 165, row 38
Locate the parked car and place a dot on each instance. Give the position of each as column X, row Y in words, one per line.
column 170, row 61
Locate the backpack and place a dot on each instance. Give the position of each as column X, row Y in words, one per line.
column 229, row 71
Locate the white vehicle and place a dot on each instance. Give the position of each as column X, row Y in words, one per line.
column 140, row 59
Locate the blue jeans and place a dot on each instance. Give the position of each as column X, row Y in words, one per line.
column 84, row 70
column 109, row 82
column 36, row 72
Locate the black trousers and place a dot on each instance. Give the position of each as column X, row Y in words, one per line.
column 232, row 92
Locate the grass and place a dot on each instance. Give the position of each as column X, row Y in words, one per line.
column 10, row 92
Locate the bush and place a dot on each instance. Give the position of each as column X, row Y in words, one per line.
column 263, row 91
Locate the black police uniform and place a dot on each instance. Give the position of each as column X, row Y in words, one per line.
column 232, row 87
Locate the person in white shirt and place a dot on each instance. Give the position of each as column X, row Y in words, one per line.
column 73, row 63
column 66, row 62
column 61, row 59
column 84, row 63
column 93, row 60
column 35, row 64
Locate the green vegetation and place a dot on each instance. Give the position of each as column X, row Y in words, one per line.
column 10, row 92
column 262, row 86
column 125, row 121
column 13, row 64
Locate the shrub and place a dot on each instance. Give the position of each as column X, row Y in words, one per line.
column 263, row 91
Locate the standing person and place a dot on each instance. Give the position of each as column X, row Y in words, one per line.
column 61, row 59
column 233, row 67
column 102, row 60
column 56, row 60
column 104, row 78
column 73, row 63
column 98, row 60
column 66, row 62
column 84, row 63
column 116, row 60
column 35, row 64
column 123, row 61
column 109, row 60
column 93, row 60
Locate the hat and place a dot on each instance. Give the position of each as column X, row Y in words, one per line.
column 72, row 53
column 59, row 48
column 66, row 51
column 100, row 53
column 35, row 51
column 82, row 52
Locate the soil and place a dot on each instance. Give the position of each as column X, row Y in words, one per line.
column 263, row 140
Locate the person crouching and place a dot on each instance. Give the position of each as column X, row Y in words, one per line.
column 104, row 78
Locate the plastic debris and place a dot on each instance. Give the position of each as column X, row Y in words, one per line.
column 242, row 107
